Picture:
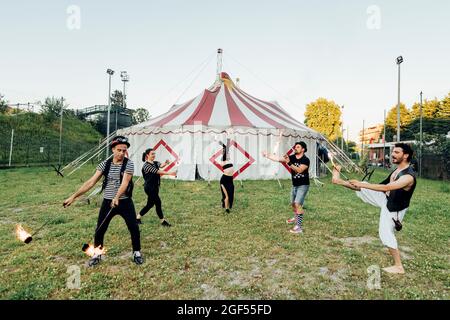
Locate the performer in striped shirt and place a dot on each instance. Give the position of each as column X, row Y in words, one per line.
column 151, row 171
column 116, row 197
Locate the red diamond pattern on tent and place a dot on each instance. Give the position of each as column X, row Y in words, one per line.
column 170, row 150
column 245, row 153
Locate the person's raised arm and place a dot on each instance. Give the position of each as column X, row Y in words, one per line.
column 274, row 158
column 402, row 182
column 84, row 188
column 163, row 165
column 152, row 169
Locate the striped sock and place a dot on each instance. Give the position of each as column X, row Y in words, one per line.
column 299, row 219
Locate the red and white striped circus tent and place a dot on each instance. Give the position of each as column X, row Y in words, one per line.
column 189, row 132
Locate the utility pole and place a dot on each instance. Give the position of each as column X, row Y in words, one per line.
column 342, row 128
column 11, row 147
column 60, row 129
column 347, row 139
column 125, row 78
column 362, row 141
column 384, row 137
column 110, row 73
column 399, row 61
column 421, row 138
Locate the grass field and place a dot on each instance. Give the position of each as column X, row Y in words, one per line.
column 207, row 254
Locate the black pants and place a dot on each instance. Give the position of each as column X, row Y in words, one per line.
column 152, row 200
column 227, row 182
column 126, row 210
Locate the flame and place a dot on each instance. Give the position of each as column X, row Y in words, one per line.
column 91, row 250
column 21, row 234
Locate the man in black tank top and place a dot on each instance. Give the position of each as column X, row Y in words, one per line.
column 392, row 195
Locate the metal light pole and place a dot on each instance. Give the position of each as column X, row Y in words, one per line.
column 347, row 140
column 60, row 129
column 342, row 128
column 110, row 73
column 362, row 141
column 125, row 78
column 11, row 147
column 399, row 61
column 384, row 138
column 421, row 137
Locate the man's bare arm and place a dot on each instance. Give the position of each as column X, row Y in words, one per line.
column 300, row 169
column 273, row 157
column 402, row 182
column 84, row 188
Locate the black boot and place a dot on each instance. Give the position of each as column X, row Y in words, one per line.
column 165, row 223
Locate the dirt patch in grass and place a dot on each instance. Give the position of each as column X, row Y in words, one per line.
column 211, row 293
column 356, row 241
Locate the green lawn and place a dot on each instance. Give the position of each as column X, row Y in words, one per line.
column 207, row 254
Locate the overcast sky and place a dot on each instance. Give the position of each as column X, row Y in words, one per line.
column 290, row 51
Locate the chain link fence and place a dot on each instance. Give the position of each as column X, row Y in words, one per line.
column 35, row 144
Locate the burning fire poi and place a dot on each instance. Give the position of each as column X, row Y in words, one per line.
column 22, row 235
column 90, row 250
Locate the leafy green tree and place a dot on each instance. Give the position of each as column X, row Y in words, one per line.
column 140, row 115
column 3, row 105
column 324, row 116
column 51, row 108
column 430, row 109
column 116, row 100
column 391, row 117
column 444, row 111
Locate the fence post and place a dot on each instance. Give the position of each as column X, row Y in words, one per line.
column 10, row 148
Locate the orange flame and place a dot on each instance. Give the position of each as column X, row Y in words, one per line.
column 21, row 234
column 91, row 250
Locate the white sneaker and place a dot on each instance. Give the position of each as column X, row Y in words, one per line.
column 296, row 230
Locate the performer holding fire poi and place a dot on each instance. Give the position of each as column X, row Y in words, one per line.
column 117, row 186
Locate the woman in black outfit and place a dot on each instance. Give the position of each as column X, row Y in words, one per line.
column 152, row 173
column 226, row 181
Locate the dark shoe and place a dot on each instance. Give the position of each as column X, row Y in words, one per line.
column 227, row 210
column 138, row 221
column 165, row 224
column 95, row 260
column 137, row 258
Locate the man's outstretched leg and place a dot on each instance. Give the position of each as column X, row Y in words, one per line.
column 336, row 179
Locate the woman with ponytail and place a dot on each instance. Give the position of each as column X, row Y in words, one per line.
column 226, row 181
column 152, row 173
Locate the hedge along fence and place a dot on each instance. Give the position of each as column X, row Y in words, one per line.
column 34, row 133
column 435, row 167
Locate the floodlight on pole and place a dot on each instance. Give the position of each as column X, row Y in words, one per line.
column 110, row 73
column 399, row 61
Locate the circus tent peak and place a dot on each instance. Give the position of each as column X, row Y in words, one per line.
column 226, row 105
